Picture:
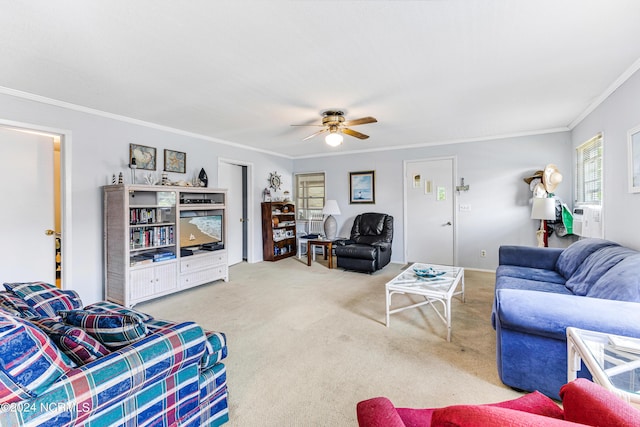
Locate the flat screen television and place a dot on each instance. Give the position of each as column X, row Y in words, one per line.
column 201, row 230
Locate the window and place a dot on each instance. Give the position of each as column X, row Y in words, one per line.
column 309, row 195
column 589, row 172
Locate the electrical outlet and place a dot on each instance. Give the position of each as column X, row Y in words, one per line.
column 483, row 253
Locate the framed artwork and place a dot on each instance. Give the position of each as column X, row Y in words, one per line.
column 634, row 160
column 145, row 156
column 175, row 161
column 362, row 187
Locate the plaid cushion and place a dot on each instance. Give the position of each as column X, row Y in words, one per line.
column 45, row 299
column 110, row 307
column 81, row 347
column 16, row 306
column 29, row 361
column 111, row 329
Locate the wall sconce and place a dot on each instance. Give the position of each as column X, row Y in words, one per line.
column 462, row 187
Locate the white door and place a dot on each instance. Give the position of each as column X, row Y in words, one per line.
column 27, row 253
column 430, row 201
column 230, row 177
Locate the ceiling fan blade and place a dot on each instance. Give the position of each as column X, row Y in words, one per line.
column 354, row 133
column 362, row 121
column 317, row 133
column 306, row 125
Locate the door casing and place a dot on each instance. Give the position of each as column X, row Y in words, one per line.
column 65, row 138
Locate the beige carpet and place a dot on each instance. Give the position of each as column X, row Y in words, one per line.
column 307, row 343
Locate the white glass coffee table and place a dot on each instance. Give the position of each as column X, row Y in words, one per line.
column 612, row 360
column 440, row 289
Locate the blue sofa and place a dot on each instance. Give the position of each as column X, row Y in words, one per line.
column 116, row 366
column 593, row 284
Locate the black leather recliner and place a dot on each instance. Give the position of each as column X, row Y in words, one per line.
column 369, row 247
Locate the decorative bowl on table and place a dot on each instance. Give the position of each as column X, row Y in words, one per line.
column 427, row 272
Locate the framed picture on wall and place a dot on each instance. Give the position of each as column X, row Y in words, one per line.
column 175, row 161
column 634, row 160
column 145, row 156
column 362, row 187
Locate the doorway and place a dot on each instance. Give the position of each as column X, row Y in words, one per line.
column 235, row 176
column 430, row 220
column 32, row 228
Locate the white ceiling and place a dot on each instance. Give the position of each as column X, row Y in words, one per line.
column 244, row 71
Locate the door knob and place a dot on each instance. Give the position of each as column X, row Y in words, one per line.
column 448, row 223
column 49, row 232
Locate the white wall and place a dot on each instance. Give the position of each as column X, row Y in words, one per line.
column 498, row 196
column 100, row 148
column 494, row 170
column 614, row 117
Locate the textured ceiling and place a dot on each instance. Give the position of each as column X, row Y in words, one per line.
column 244, row 71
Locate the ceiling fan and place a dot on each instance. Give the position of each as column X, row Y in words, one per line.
column 335, row 123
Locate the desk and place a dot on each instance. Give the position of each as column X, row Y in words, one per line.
column 612, row 360
column 327, row 246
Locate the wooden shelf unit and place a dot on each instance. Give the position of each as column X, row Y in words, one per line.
column 278, row 230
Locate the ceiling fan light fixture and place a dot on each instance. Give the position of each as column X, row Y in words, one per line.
column 334, row 139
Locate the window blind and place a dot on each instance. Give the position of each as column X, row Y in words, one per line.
column 589, row 172
column 309, row 195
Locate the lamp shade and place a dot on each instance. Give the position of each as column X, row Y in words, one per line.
column 331, row 208
column 543, row 208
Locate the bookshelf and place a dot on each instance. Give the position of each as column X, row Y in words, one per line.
column 147, row 255
column 278, row 230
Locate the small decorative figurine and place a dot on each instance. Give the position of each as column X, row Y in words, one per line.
column 203, row 178
column 121, row 179
column 113, row 179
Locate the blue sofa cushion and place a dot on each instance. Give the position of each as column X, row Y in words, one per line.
column 540, row 274
column 543, row 314
column 621, row 282
column 571, row 258
column 596, row 265
column 506, row 282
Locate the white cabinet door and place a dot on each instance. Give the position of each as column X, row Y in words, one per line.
column 166, row 278
column 141, row 283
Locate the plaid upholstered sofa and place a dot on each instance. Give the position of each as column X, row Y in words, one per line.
column 62, row 364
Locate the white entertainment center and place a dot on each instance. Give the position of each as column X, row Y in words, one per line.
column 162, row 239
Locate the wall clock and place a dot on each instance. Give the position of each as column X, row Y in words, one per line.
column 275, row 181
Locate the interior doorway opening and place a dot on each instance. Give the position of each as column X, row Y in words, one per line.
column 31, row 149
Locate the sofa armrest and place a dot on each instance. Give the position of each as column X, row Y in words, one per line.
column 529, row 256
column 549, row 314
column 382, row 246
column 88, row 389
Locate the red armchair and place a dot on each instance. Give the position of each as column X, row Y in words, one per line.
column 584, row 403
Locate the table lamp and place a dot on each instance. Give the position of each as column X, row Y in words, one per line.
column 544, row 209
column 330, row 224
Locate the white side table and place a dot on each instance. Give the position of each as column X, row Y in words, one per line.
column 612, row 360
